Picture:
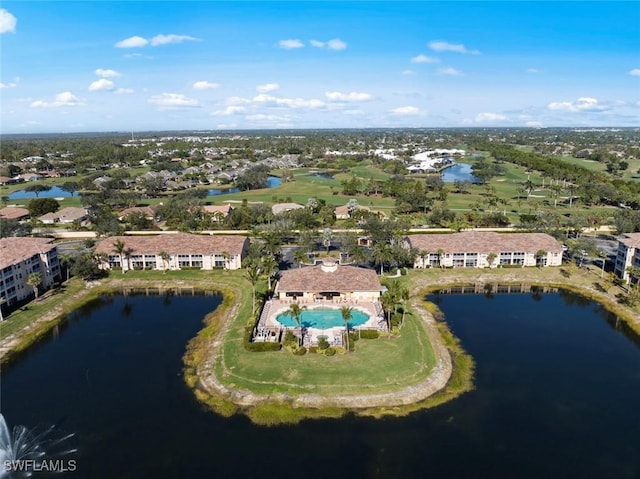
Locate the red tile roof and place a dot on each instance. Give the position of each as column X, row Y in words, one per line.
column 14, row 213
column 485, row 242
column 180, row 243
column 16, row 249
column 322, row 279
column 631, row 240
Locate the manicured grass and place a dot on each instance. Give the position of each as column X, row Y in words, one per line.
column 301, row 191
column 375, row 366
column 34, row 310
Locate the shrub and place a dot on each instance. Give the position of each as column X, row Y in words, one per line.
column 369, row 334
column 258, row 347
column 313, row 350
column 353, row 336
column 329, row 352
column 322, row 343
column 301, row 351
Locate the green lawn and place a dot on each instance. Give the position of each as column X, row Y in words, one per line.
column 378, row 366
column 35, row 309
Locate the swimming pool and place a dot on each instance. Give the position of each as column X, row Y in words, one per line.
column 323, row 318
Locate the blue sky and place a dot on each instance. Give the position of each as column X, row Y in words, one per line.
column 208, row 65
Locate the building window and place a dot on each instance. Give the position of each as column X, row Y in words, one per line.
column 183, row 260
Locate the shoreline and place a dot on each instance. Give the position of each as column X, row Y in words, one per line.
column 204, row 352
column 437, row 380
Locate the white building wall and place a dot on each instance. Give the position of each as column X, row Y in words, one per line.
column 13, row 279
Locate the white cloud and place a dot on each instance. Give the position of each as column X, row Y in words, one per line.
column 261, row 117
column 7, row 22
column 171, row 38
column 635, row 72
column 101, row 72
column 353, row 112
column 267, row 87
column 534, row 124
column 160, row 39
column 101, row 85
column 132, row 42
column 237, row 100
column 406, row 111
column 290, row 44
column 205, row 85
column 440, row 46
column 449, row 71
column 408, row 72
column 424, row 59
column 336, row 44
column 581, row 104
column 65, row 98
column 490, row 117
column 12, row 84
column 533, row 70
column 349, row 97
column 264, row 99
column 230, row 110
column 124, row 91
column 173, row 100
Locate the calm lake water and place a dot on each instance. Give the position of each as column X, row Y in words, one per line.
column 557, row 396
column 272, row 182
column 54, row 192
column 458, row 172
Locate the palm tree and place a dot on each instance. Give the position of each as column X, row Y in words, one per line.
column 299, row 256
column 441, row 254
column 295, row 311
column 270, row 268
column 387, row 301
column 403, row 297
column 491, row 257
column 381, row 254
column 347, row 315
column 603, row 257
column 327, row 236
column 65, row 259
column 424, row 254
column 540, row 256
column 119, row 249
column 164, row 256
column 34, row 281
column 253, row 275
column 634, row 271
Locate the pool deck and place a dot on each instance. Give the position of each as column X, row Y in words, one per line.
column 270, row 329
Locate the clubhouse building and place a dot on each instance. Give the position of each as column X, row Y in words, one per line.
column 329, row 282
column 327, row 288
column 485, row 249
column 182, row 251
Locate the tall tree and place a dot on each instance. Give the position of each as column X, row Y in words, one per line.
column 387, row 301
column 253, row 275
column 34, row 281
column 347, row 315
column 164, row 256
column 295, row 311
column 67, row 261
column 119, row 248
column 37, row 189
